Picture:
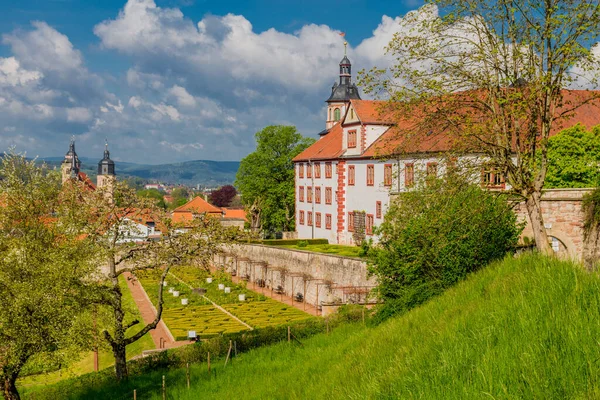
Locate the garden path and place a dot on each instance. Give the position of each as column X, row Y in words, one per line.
column 161, row 334
column 213, row 303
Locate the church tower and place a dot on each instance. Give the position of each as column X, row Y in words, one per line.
column 71, row 164
column 106, row 171
column 341, row 93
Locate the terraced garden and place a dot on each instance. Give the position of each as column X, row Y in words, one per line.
column 200, row 315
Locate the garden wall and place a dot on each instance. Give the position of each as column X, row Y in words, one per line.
column 323, row 278
column 563, row 218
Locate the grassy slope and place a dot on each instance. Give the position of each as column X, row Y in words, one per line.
column 105, row 360
column 523, row 328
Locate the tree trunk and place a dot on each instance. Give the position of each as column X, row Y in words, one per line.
column 120, row 355
column 590, row 248
column 9, row 387
column 534, row 210
column 118, row 343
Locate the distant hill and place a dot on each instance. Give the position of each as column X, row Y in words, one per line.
column 203, row 172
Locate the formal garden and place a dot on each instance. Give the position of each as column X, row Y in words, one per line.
column 211, row 304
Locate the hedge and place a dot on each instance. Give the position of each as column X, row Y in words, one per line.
column 288, row 242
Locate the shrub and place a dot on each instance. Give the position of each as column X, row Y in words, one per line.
column 435, row 235
column 288, row 242
column 302, row 243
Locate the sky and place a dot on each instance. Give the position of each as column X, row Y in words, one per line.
column 175, row 80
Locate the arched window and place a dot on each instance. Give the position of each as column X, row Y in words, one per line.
column 352, row 113
column 336, row 114
column 329, row 114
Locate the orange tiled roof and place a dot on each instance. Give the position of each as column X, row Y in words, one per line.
column 398, row 139
column 235, row 213
column 86, row 179
column 372, row 112
column 328, row 147
column 198, row 205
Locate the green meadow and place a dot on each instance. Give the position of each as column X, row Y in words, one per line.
column 523, row 328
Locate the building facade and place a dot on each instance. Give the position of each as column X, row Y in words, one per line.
column 344, row 181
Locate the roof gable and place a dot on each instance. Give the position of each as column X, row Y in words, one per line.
column 198, row 205
column 328, row 147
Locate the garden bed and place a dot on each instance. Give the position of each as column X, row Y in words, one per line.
column 201, row 316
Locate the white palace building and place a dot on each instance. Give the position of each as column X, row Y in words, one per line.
column 343, row 180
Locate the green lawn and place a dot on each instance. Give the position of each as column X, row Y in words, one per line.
column 524, row 328
column 334, row 249
column 105, row 357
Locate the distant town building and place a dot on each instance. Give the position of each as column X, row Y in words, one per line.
column 156, row 186
column 198, row 206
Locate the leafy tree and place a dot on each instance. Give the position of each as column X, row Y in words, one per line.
column 111, row 223
column 153, row 194
column 574, row 158
column 223, row 196
column 44, row 267
column 265, row 178
column 488, row 77
column 435, row 235
column 180, row 196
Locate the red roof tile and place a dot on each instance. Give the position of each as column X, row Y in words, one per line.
column 198, row 205
column 373, row 112
column 403, row 136
column 328, row 147
column 235, row 213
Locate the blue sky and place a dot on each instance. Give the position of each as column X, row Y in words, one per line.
column 176, row 80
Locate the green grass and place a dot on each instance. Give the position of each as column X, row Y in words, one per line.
column 105, row 357
column 334, row 249
column 523, row 328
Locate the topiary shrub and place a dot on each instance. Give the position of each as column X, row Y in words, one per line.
column 433, row 236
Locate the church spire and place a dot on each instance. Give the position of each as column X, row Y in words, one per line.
column 106, row 166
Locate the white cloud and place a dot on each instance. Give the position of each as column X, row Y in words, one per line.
column 182, row 96
column 181, row 147
column 12, row 74
column 45, row 48
column 162, row 110
column 78, row 114
column 135, row 102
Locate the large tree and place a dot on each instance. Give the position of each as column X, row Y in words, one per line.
column 113, row 223
column 489, row 77
column 45, row 269
column 266, row 178
column 574, row 158
column 223, row 196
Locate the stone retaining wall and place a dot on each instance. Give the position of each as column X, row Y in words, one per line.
column 563, row 218
column 324, row 278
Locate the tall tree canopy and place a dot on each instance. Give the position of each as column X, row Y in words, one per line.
column 44, row 269
column 266, row 178
column 488, row 76
column 574, row 158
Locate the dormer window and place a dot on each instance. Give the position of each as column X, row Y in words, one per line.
column 352, row 139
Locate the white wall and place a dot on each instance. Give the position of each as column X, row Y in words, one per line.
column 373, row 133
column 306, row 231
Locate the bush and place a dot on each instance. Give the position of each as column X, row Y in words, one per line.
column 433, row 236
column 289, row 242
